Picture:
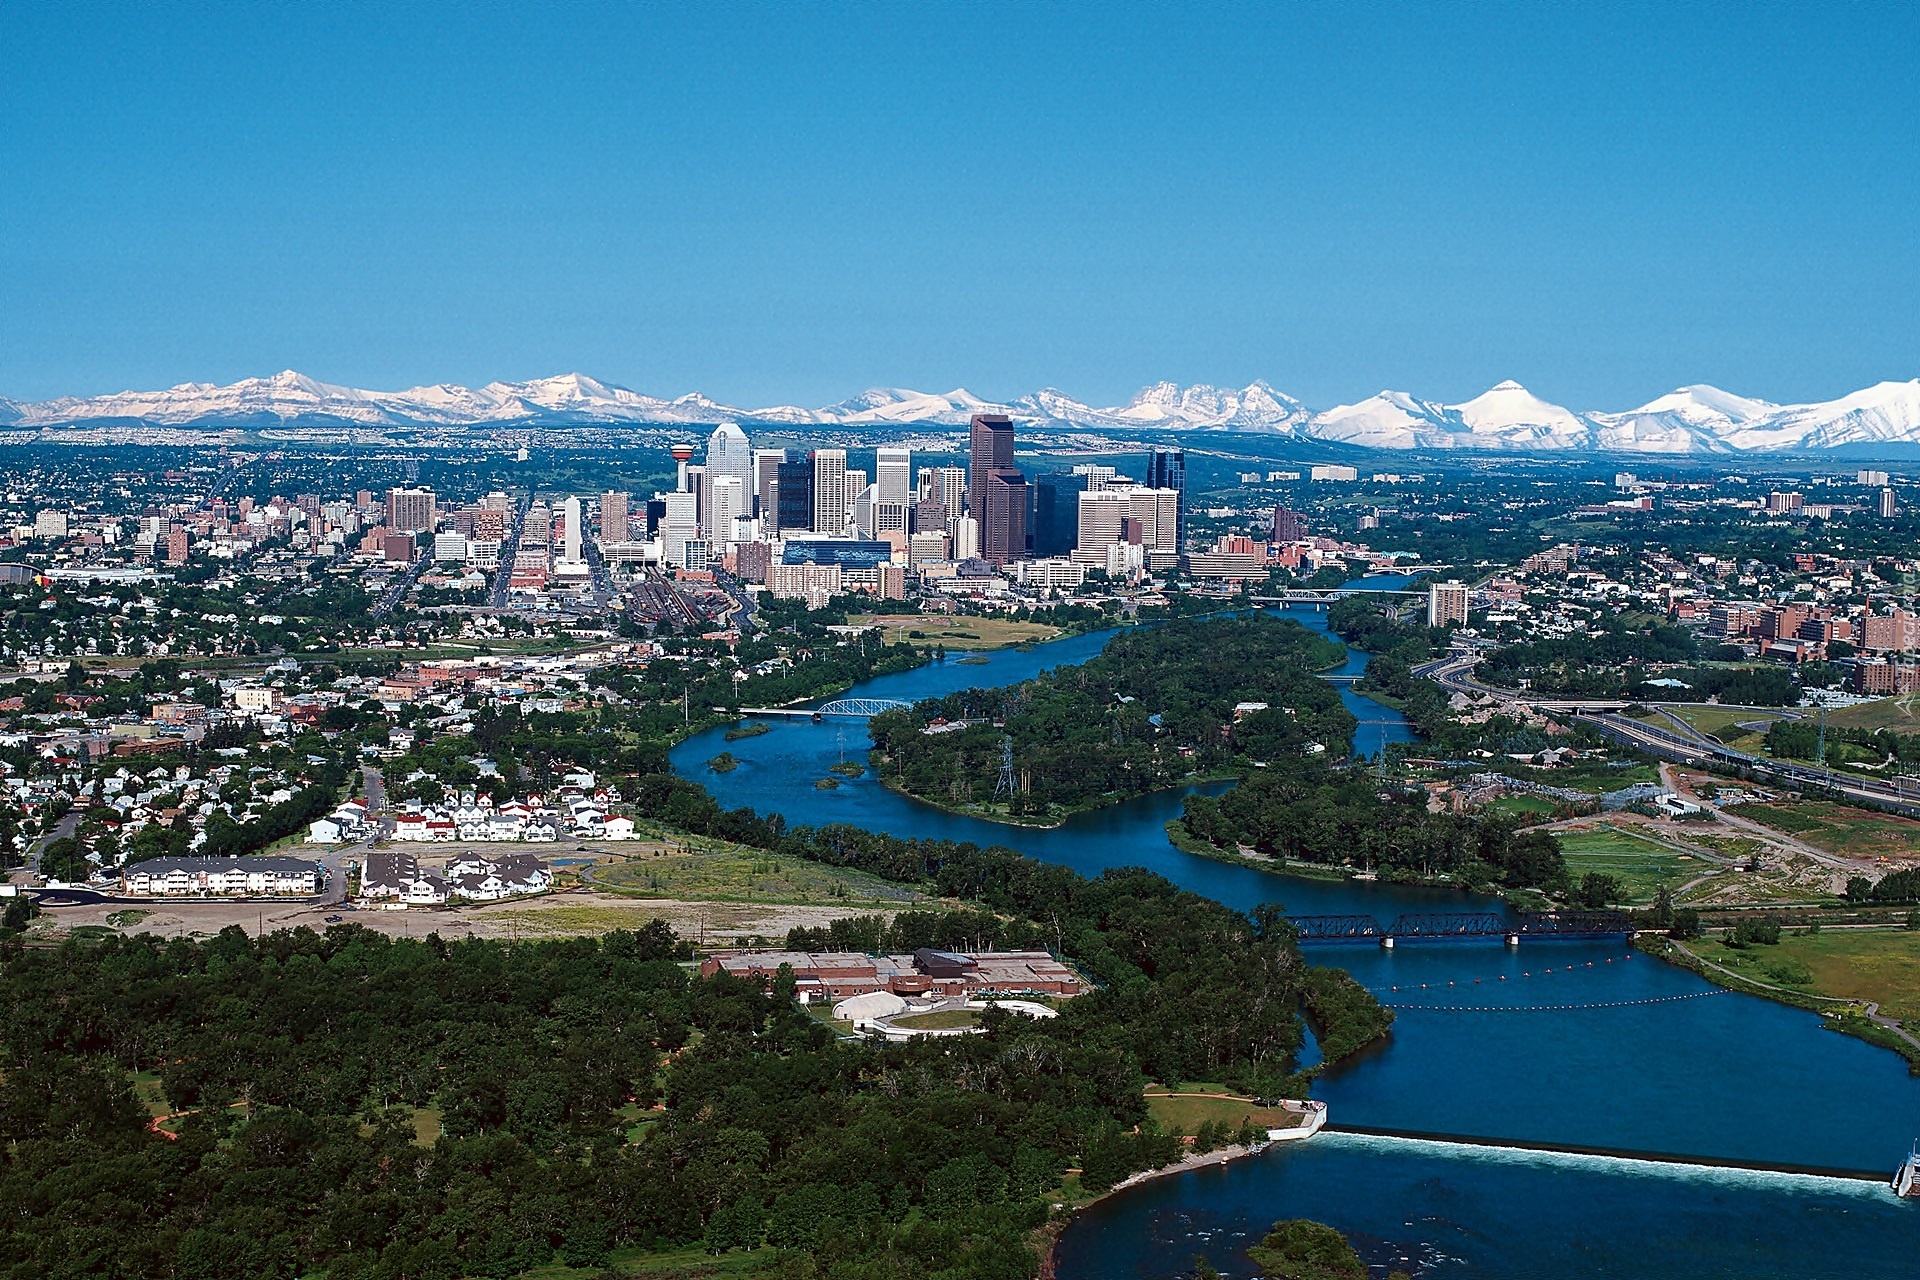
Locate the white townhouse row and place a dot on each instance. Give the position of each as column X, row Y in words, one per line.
column 226, row 877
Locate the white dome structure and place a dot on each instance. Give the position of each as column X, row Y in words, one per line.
column 874, row 1004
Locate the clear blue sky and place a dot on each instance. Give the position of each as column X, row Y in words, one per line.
column 780, row 203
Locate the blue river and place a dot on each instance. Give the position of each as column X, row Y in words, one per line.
column 1493, row 1043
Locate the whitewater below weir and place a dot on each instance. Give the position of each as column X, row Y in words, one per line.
column 1609, row 1054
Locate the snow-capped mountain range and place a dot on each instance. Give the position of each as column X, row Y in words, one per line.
column 1691, row 420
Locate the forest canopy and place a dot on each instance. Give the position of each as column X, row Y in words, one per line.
column 1154, row 707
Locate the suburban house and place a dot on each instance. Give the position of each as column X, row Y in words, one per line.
column 479, row 879
column 397, row 878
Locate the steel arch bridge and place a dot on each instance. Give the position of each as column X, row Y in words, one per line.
column 860, row 708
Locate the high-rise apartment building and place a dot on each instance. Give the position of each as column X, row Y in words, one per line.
column 793, row 497
column 1889, row 508
column 1446, row 604
column 966, row 539
column 613, row 517
column 1871, row 479
column 893, row 473
column 572, row 546
column 829, row 490
column 1779, row 503
column 1897, row 632
column 1167, row 469
column 1287, row 526
column 410, row 510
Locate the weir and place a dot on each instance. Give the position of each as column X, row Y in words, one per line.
column 1607, row 1153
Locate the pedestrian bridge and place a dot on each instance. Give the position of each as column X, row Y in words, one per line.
column 1474, row 924
column 850, row 708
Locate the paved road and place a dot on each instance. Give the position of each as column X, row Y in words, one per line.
column 601, row 576
column 743, row 616
column 1454, row 673
column 398, row 591
column 503, row 575
column 61, row 830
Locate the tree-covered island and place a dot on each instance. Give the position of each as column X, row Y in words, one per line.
column 1158, row 706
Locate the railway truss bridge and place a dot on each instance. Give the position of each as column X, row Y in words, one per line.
column 851, row 708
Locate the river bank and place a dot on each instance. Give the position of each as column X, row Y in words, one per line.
column 1610, row 1061
column 1051, row 822
column 1852, row 1017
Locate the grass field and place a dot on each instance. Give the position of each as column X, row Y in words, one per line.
column 1185, row 1115
column 690, row 1263
column 1901, row 714
column 1522, row 804
column 1640, row 863
column 958, row 632
column 1838, row 828
column 1592, row 777
column 733, row 874
column 146, row 1088
column 1853, row 964
column 1722, row 722
column 944, row 1020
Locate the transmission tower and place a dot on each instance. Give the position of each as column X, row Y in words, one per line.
column 1005, row 785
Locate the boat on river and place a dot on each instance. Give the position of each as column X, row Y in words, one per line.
column 1906, row 1179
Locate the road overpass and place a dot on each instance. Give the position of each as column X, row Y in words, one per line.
column 1900, row 794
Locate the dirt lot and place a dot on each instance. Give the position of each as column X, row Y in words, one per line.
column 572, row 913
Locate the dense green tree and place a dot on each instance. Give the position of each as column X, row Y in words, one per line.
column 1300, row 1249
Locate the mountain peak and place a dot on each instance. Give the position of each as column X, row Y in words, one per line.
column 1696, row 418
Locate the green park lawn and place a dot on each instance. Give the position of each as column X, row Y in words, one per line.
column 1522, row 804
column 1185, row 1115
column 1901, row 714
column 944, row 1020
column 730, row 873
column 1722, row 722
column 1852, row 964
column 1641, row 865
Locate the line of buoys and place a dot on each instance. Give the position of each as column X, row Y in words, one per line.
column 1556, row 1008
column 1503, row 977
